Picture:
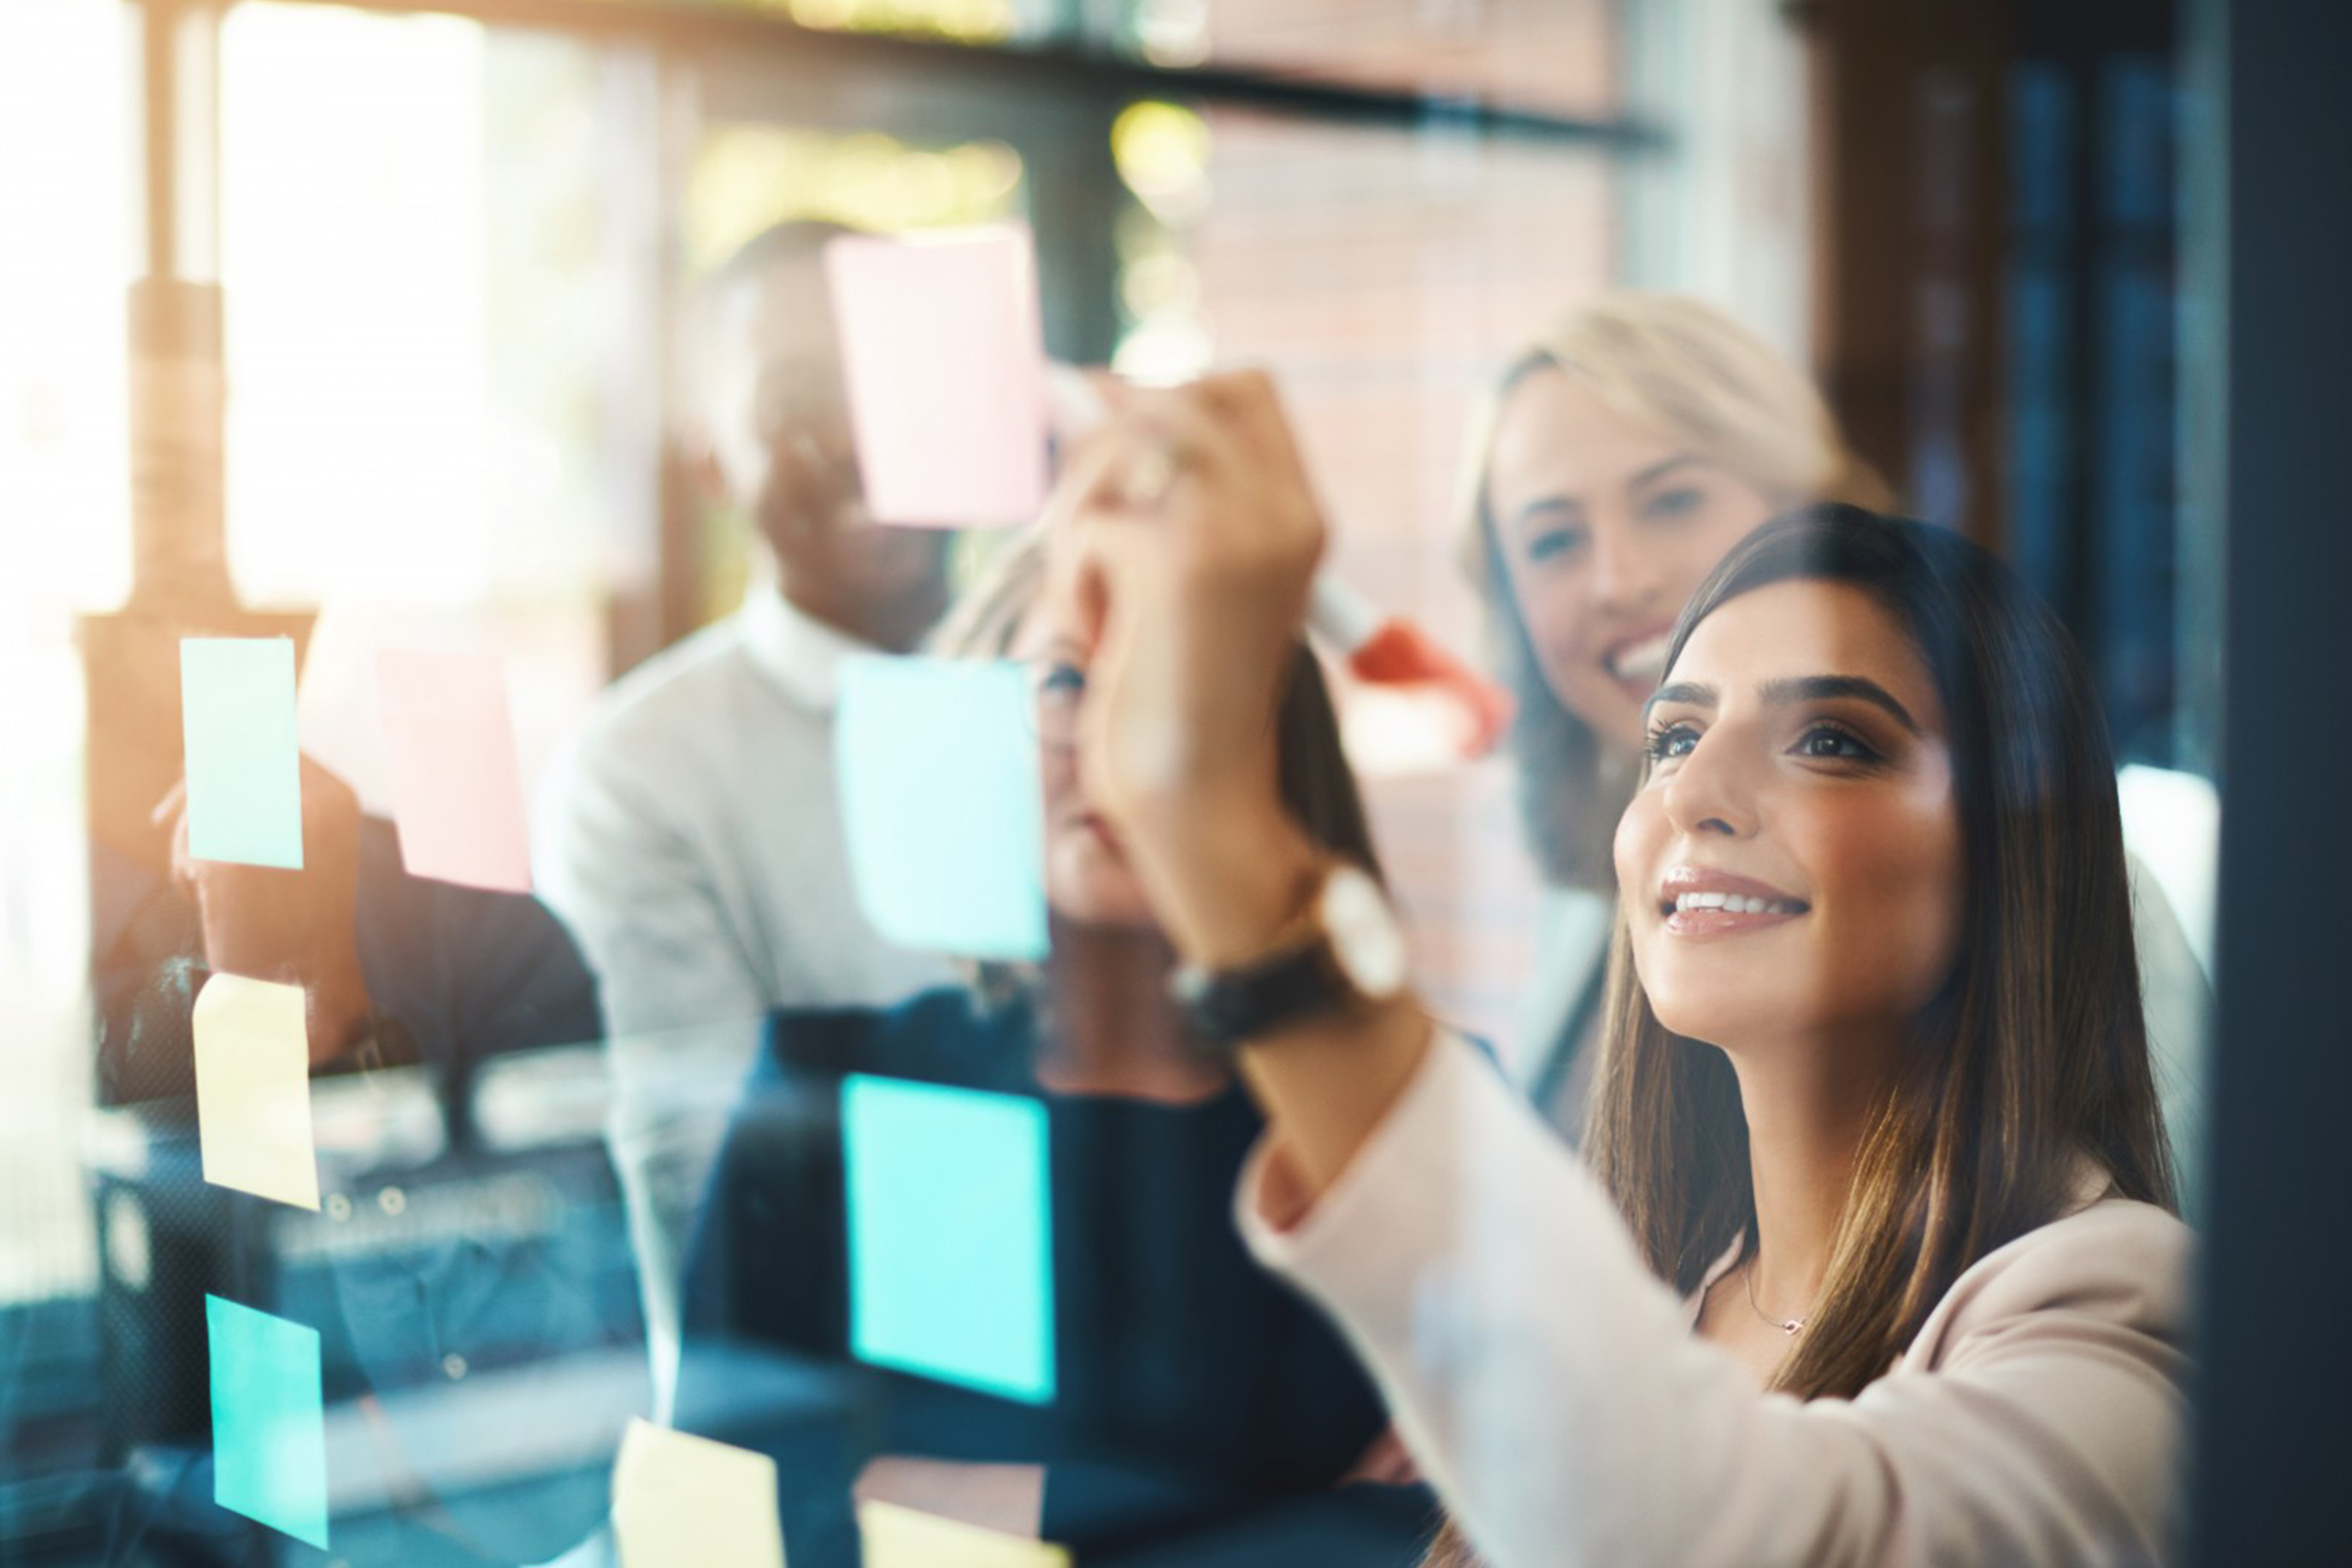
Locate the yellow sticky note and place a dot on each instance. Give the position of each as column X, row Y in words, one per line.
column 253, row 1089
column 898, row 1537
column 683, row 1501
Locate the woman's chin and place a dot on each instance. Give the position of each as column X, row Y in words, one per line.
column 1720, row 1017
column 1097, row 907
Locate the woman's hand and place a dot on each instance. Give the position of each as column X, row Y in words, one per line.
column 1193, row 536
column 1188, row 539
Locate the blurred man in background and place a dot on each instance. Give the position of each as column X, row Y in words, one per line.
column 692, row 837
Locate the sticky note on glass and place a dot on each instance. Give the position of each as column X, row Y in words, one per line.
column 253, row 1089
column 896, row 1537
column 941, row 807
column 457, row 788
column 683, row 1501
column 944, row 362
column 244, row 768
column 950, row 1234
column 269, row 1438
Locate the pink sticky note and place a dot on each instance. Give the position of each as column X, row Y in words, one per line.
column 456, row 791
column 945, row 362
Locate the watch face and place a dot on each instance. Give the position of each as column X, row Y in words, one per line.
column 1363, row 935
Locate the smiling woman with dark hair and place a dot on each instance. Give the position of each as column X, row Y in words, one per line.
column 1877, row 1263
column 2024, row 1073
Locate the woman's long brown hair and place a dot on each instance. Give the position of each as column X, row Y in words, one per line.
column 2033, row 1053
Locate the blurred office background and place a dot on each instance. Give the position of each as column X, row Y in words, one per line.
column 434, row 255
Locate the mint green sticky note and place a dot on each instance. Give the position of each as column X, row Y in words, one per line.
column 269, row 1439
column 950, row 1234
column 243, row 765
column 942, row 806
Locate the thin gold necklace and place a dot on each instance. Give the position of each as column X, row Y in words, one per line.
column 1790, row 1326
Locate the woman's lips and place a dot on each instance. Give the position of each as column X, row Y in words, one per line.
column 1705, row 924
column 1637, row 663
column 1702, row 902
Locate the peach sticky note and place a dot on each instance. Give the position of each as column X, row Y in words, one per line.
column 457, row 789
column 253, row 1089
column 945, row 363
column 896, row 1537
column 683, row 1501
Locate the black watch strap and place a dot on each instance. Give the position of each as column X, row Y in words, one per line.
column 1225, row 1008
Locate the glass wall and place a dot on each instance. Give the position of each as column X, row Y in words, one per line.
column 570, row 1002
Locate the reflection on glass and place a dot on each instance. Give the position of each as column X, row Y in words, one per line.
column 65, row 533
column 747, row 178
column 581, row 1138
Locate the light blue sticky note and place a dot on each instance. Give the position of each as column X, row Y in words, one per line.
column 950, row 1234
column 270, row 1440
column 942, row 806
column 244, row 767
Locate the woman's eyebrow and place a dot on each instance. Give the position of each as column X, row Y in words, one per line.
column 1658, row 470
column 1568, row 507
column 1688, row 693
column 1793, row 688
column 1816, row 688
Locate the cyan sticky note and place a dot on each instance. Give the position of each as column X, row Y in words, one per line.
column 950, row 1234
column 942, row 806
column 269, row 1438
column 244, row 764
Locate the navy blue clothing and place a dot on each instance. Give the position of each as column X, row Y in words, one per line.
column 1193, row 1389
column 508, row 1262
column 461, row 973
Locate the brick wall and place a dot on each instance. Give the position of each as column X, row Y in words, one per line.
column 1385, row 277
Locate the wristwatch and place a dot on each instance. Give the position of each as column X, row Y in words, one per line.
column 1345, row 953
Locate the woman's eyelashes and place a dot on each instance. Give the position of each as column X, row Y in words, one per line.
column 1056, row 688
column 1551, row 540
column 1667, row 741
column 1817, row 741
column 1545, row 536
column 1826, row 740
column 1672, row 504
column 1060, row 678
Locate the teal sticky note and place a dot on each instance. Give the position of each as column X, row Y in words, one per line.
column 942, row 806
column 950, row 1234
column 269, row 1439
column 244, row 764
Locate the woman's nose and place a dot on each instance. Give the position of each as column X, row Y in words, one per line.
column 1709, row 792
column 1625, row 575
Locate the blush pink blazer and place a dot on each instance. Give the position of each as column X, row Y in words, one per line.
column 1552, row 1390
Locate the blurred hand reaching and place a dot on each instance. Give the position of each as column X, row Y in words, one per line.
column 1189, row 539
column 291, row 927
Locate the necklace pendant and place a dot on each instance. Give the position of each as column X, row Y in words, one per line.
column 1793, row 1327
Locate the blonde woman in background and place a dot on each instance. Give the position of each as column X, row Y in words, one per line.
column 1622, row 454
